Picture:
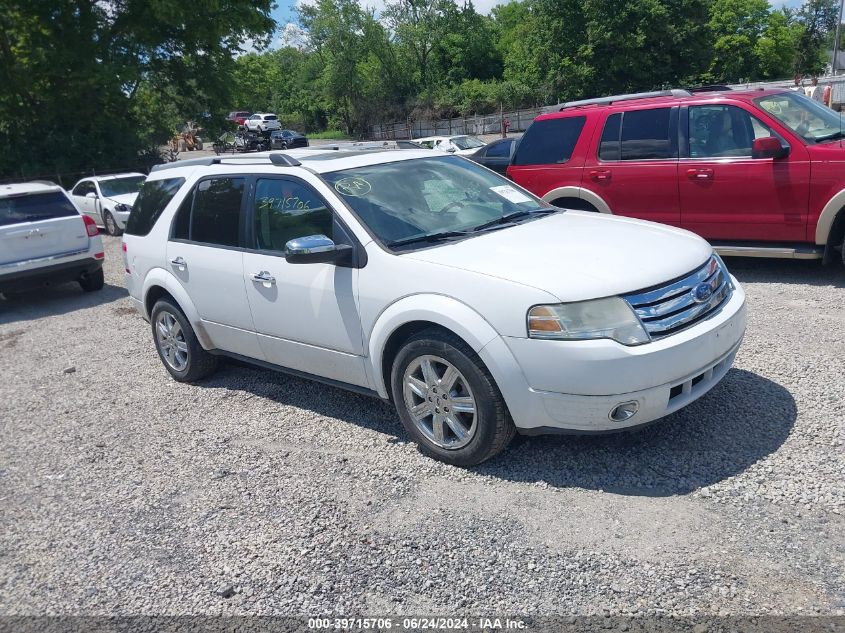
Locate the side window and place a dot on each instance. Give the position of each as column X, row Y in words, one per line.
column 723, row 131
column 609, row 144
column 83, row 188
column 287, row 209
column 549, row 141
column 216, row 212
column 498, row 150
column 645, row 135
column 151, row 202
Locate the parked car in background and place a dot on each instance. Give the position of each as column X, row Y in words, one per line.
column 287, row 139
column 249, row 142
column 45, row 240
column 461, row 144
column 425, row 279
column 757, row 172
column 108, row 199
column 261, row 122
column 496, row 155
column 238, row 118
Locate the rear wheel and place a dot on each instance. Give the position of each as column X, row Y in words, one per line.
column 448, row 401
column 177, row 345
column 92, row 282
column 843, row 250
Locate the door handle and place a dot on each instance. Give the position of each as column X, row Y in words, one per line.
column 600, row 175
column 264, row 277
column 702, row 173
column 180, row 263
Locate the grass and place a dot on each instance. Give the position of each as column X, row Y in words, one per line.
column 330, row 134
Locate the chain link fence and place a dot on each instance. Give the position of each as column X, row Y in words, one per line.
column 519, row 121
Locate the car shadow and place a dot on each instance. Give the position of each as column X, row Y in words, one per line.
column 51, row 300
column 786, row 271
column 742, row 420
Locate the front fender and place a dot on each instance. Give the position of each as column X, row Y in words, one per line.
column 825, row 222
column 165, row 279
column 444, row 311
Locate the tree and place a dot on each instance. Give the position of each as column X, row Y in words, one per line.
column 818, row 19
column 736, row 27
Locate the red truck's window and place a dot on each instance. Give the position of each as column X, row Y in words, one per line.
column 642, row 135
column 549, row 142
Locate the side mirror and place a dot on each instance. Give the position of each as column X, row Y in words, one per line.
column 315, row 249
column 91, row 195
column 768, row 147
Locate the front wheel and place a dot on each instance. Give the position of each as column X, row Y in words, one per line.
column 110, row 224
column 177, row 345
column 448, row 401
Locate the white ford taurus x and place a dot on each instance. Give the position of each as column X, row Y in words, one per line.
column 477, row 308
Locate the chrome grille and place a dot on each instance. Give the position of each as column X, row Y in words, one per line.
column 667, row 309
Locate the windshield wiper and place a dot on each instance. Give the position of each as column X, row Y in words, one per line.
column 434, row 237
column 510, row 217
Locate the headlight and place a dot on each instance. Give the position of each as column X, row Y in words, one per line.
column 609, row 318
column 122, row 207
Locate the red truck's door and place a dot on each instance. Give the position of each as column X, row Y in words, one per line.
column 633, row 165
column 728, row 195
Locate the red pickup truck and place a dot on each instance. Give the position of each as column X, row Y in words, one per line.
column 757, row 172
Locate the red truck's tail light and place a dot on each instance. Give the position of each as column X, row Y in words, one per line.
column 90, row 226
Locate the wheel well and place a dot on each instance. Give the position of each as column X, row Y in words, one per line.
column 835, row 237
column 395, row 341
column 574, row 203
column 153, row 295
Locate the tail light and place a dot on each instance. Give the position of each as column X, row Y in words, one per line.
column 125, row 258
column 90, row 226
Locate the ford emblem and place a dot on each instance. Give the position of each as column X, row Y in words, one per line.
column 702, row 293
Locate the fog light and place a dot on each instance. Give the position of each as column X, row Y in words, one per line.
column 624, row 411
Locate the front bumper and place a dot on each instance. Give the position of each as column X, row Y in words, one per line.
column 46, row 275
column 572, row 386
column 121, row 218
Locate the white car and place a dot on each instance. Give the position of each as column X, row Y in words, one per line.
column 428, row 280
column 262, row 122
column 44, row 239
column 108, row 200
column 462, row 144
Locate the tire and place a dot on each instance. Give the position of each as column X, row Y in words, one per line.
column 93, row 281
column 110, row 224
column 177, row 345
column 486, row 431
column 843, row 250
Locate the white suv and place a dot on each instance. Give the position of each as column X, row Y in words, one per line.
column 43, row 239
column 474, row 306
column 261, row 122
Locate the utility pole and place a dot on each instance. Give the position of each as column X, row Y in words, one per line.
column 836, row 39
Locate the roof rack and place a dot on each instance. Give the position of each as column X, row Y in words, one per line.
column 710, row 88
column 277, row 158
column 626, row 97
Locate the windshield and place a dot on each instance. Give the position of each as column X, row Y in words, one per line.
column 811, row 120
column 121, row 186
column 466, row 142
column 425, row 197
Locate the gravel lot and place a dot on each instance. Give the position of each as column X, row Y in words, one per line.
column 124, row 492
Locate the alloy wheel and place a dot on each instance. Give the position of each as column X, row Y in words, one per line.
column 171, row 341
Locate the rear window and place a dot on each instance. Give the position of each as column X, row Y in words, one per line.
column 270, row 117
column 151, row 201
column 550, row 141
column 35, row 207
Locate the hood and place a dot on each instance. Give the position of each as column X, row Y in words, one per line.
column 577, row 255
column 126, row 198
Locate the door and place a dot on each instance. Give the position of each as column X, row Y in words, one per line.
column 306, row 315
column 86, row 203
column 634, row 165
column 205, row 255
column 728, row 195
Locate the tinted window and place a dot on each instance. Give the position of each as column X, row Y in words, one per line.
column 499, row 150
column 216, row 212
column 645, row 134
column 286, row 209
column 609, row 144
column 722, row 130
column 83, row 188
column 35, row 207
column 151, row 201
column 549, row 141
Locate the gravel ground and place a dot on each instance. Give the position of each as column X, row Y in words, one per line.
column 124, row 492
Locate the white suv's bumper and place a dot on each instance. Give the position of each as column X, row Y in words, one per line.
column 574, row 385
